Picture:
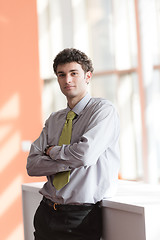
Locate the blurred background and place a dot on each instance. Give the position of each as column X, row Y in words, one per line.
column 122, row 38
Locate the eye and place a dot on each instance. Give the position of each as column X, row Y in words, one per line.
column 74, row 73
column 60, row 75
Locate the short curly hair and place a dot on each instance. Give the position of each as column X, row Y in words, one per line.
column 69, row 55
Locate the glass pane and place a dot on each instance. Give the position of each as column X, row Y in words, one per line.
column 105, row 87
column 52, row 98
column 124, row 93
column 101, row 33
column 124, row 34
column 131, row 132
column 112, row 30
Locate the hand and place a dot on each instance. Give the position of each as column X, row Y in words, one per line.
column 48, row 150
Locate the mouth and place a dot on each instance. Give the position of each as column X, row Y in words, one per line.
column 68, row 87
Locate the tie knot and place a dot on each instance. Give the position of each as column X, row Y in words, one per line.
column 71, row 115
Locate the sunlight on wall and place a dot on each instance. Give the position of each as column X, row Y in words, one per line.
column 13, row 145
column 20, row 107
column 11, row 108
column 10, row 148
column 14, row 190
column 9, row 111
column 16, row 233
column 5, row 130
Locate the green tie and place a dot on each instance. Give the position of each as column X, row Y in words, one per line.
column 62, row 178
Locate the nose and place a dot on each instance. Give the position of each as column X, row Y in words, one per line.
column 68, row 79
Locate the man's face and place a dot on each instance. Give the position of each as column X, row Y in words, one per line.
column 73, row 81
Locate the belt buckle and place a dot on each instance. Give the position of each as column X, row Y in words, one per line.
column 54, row 206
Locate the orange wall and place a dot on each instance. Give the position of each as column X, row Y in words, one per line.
column 20, row 107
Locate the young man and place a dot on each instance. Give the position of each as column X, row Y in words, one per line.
column 79, row 156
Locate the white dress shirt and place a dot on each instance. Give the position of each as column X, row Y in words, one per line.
column 92, row 156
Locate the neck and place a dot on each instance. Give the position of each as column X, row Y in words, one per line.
column 73, row 101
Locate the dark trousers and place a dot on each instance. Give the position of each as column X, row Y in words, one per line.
column 60, row 224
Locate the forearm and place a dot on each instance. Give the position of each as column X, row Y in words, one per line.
column 101, row 132
column 83, row 153
column 40, row 164
column 99, row 136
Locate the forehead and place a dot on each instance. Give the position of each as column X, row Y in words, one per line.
column 67, row 67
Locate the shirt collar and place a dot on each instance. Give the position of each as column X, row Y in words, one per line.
column 81, row 104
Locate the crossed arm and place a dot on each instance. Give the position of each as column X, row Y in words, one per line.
column 99, row 135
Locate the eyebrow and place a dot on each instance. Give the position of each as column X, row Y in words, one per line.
column 72, row 70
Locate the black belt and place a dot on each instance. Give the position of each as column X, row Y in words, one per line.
column 67, row 207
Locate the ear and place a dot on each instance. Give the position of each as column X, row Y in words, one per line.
column 88, row 77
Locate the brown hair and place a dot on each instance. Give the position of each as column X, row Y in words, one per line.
column 73, row 55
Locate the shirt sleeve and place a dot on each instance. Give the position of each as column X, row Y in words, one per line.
column 38, row 163
column 101, row 133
